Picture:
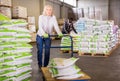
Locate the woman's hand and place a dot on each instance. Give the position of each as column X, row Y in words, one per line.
column 60, row 35
column 45, row 35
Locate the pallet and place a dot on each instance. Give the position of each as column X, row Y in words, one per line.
column 114, row 48
column 68, row 51
column 19, row 18
column 65, row 51
column 48, row 77
column 99, row 54
column 5, row 6
column 75, row 51
column 93, row 54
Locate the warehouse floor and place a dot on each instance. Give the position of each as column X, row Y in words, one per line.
column 99, row 68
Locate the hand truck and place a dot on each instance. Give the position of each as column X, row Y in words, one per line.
column 64, row 35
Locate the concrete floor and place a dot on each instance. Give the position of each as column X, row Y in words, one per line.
column 99, row 68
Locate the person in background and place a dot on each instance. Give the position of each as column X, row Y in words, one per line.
column 47, row 21
column 68, row 26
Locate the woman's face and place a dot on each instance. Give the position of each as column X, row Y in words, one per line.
column 49, row 11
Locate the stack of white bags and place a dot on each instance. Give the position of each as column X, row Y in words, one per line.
column 15, row 52
column 94, row 36
column 118, row 35
column 65, row 42
column 98, row 36
column 62, row 68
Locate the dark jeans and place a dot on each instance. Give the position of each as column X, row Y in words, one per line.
column 40, row 43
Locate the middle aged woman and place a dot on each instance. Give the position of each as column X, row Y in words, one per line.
column 47, row 21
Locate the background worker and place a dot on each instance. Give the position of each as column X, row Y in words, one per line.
column 68, row 26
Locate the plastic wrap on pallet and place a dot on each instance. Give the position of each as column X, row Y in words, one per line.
column 103, row 50
column 84, row 50
column 83, row 44
column 80, row 25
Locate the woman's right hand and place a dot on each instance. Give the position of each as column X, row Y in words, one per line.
column 45, row 35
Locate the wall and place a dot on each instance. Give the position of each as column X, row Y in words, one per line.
column 103, row 4
column 114, row 11
column 33, row 7
column 59, row 10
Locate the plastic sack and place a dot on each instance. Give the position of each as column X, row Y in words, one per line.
column 65, row 71
column 62, row 62
column 76, row 75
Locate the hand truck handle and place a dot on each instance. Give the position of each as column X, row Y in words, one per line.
column 58, row 35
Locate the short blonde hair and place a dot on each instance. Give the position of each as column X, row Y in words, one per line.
column 47, row 6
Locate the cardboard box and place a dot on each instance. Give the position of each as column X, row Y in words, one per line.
column 86, row 12
column 98, row 13
column 6, row 11
column 92, row 12
column 6, row 2
column 31, row 20
column 20, row 12
column 32, row 28
column 33, row 37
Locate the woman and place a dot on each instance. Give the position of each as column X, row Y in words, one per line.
column 46, row 23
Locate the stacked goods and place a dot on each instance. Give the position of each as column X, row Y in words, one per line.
column 98, row 13
column 86, row 12
column 19, row 12
column 32, row 28
column 114, row 37
column 15, row 56
column 5, row 7
column 92, row 12
column 94, row 36
column 31, row 24
column 6, row 2
column 62, row 68
column 65, row 42
column 80, row 25
column 118, row 35
column 31, row 20
column 98, row 37
column 76, row 42
column 6, row 11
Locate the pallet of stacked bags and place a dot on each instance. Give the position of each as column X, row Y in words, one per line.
column 15, row 50
column 63, row 68
column 76, row 42
column 99, row 37
column 65, row 41
column 118, row 36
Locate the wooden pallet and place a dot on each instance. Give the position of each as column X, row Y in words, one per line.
column 65, row 51
column 94, row 54
column 48, row 77
column 68, row 51
column 75, row 51
column 99, row 54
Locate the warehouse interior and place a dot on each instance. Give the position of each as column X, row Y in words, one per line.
column 101, row 66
